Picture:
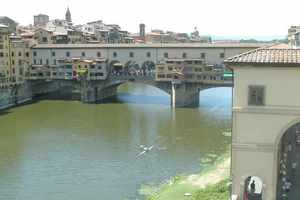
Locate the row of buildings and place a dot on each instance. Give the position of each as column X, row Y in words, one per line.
column 64, row 31
column 23, row 58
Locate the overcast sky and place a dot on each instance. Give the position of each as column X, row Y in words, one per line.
column 214, row 17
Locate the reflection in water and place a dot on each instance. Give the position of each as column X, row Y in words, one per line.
column 68, row 150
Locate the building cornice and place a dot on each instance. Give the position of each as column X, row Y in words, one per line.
column 254, row 147
column 272, row 110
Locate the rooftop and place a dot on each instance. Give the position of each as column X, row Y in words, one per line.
column 156, row 45
column 275, row 55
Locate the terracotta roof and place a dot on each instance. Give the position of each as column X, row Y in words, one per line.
column 266, row 56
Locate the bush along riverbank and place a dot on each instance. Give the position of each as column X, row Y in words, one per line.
column 212, row 183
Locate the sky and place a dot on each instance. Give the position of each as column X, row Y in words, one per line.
column 248, row 19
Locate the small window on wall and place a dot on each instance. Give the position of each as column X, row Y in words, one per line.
column 184, row 55
column 83, row 54
column 98, row 54
column 203, row 55
column 222, row 55
column 131, row 54
column 166, row 55
column 256, row 95
column 115, row 54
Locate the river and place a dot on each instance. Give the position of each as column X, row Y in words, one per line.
column 59, row 150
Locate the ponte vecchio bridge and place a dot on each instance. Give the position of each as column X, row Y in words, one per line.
column 95, row 71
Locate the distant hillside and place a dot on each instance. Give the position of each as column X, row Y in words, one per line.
column 281, row 38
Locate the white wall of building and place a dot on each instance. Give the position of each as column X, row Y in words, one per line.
column 257, row 130
column 212, row 55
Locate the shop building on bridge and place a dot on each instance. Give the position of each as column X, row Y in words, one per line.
column 266, row 124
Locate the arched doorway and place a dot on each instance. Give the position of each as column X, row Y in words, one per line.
column 116, row 68
column 131, row 68
column 148, row 68
column 253, row 188
column 288, row 181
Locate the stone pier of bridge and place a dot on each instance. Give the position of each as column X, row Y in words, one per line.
column 185, row 95
column 181, row 95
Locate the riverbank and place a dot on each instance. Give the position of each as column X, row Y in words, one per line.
column 211, row 183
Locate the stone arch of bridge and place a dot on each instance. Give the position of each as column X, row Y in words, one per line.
column 207, row 87
column 166, row 88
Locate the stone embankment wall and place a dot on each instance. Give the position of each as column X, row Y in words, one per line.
column 17, row 95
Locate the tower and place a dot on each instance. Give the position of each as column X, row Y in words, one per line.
column 68, row 15
column 142, row 31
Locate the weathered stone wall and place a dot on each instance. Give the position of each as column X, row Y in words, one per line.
column 15, row 95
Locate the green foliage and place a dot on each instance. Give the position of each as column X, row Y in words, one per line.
column 219, row 191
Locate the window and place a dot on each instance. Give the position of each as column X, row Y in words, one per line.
column 47, row 62
column 20, row 54
column 131, row 54
column 20, row 62
column 184, row 55
column 13, row 62
column 41, row 61
column 34, row 61
column 44, row 39
column 54, row 62
column 27, row 54
column 21, row 72
column 166, row 55
column 53, row 53
column 83, row 54
column 203, row 55
column 68, row 54
column 1, row 54
column 256, row 95
column 34, row 53
column 99, row 54
column 148, row 54
column 222, row 55
column 12, row 54
column 115, row 54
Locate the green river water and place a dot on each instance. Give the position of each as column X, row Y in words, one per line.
column 66, row 150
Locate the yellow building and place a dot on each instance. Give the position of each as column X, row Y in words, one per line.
column 189, row 70
column 4, row 55
column 20, row 58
